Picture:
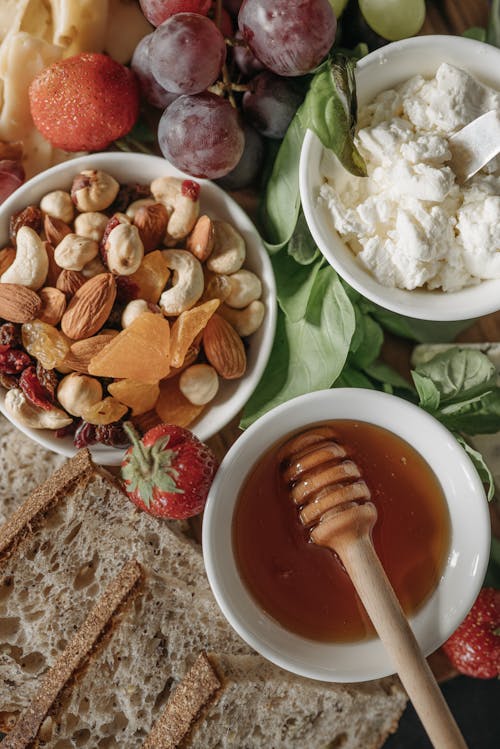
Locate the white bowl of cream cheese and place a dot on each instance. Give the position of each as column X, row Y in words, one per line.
column 408, row 237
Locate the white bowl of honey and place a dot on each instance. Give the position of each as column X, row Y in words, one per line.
column 291, row 600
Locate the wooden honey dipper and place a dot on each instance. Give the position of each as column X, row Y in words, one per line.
column 334, row 503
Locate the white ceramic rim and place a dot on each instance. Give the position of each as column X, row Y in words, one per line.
column 130, row 167
column 466, row 563
column 382, row 69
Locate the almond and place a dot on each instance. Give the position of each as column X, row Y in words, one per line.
column 53, row 305
column 7, row 256
column 224, row 348
column 69, row 281
column 90, row 307
column 81, row 352
column 18, row 303
column 54, row 269
column 55, row 229
column 201, row 240
column 151, row 222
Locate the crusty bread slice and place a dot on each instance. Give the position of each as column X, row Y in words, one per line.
column 185, row 705
column 62, row 558
column 74, row 656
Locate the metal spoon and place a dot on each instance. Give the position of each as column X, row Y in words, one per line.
column 475, row 145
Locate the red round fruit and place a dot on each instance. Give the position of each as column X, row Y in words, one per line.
column 85, row 102
column 168, row 473
column 474, row 648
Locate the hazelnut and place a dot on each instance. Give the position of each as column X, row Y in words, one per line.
column 199, row 384
column 93, row 190
column 76, row 392
column 58, row 204
column 136, row 204
column 133, row 309
column 74, row 252
column 123, row 249
column 91, row 224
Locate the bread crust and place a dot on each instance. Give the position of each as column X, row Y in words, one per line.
column 73, row 657
column 29, row 516
column 198, row 689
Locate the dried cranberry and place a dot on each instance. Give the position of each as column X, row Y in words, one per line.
column 84, row 435
column 112, row 434
column 112, row 224
column 10, row 335
column 48, row 378
column 33, row 389
column 127, row 194
column 68, row 430
column 126, row 290
column 190, row 189
column 13, row 361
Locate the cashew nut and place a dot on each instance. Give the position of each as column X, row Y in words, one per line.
column 199, row 384
column 91, row 224
column 133, row 309
column 58, row 204
column 94, row 190
column 74, row 252
column 229, row 250
column 245, row 288
column 245, row 321
column 76, row 392
column 21, row 410
column 181, row 204
column 124, row 249
column 187, row 282
column 134, row 207
column 31, row 264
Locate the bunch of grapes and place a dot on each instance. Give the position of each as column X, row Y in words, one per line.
column 223, row 89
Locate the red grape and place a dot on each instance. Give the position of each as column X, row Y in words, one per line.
column 157, row 11
column 201, row 135
column 245, row 58
column 291, row 37
column 150, row 88
column 248, row 167
column 270, row 104
column 187, row 53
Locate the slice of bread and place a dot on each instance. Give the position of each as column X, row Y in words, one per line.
column 60, row 551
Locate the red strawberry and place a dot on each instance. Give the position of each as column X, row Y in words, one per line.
column 85, row 102
column 474, row 649
column 168, row 472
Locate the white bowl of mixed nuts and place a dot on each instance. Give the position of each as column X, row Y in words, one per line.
column 128, row 291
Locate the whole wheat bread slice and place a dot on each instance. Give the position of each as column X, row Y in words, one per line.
column 61, row 560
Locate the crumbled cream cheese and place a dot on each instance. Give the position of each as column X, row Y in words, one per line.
column 409, row 222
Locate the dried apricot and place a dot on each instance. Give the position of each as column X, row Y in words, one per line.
column 185, row 329
column 105, row 411
column 139, row 396
column 47, row 344
column 151, row 277
column 172, row 407
column 140, row 352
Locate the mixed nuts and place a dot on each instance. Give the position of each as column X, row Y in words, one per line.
column 121, row 301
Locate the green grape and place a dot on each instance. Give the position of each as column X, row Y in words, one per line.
column 338, row 6
column 394, row 19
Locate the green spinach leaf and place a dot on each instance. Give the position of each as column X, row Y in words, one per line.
column 294, row 284
column 302, row 246
column 427, row 392
column 459, row 374
column 493, row 30
column 308, row 354
column 484, row 472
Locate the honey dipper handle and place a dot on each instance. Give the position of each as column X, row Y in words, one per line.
column 384, row 610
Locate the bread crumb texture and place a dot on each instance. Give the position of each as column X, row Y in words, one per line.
column 52, row 580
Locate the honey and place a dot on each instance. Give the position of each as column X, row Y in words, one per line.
column 305, row 587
